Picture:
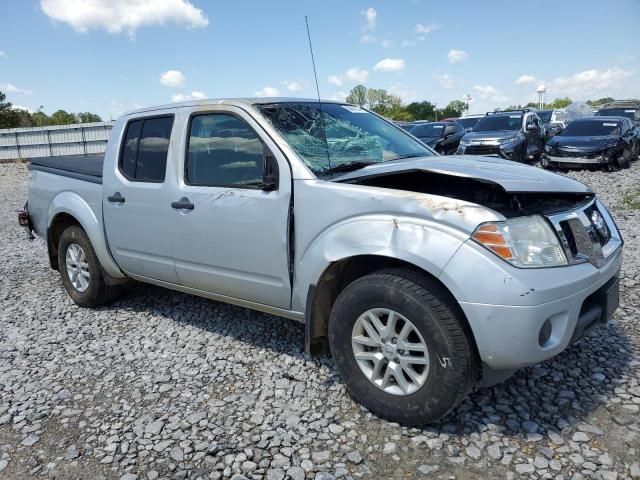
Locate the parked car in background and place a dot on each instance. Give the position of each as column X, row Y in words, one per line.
column 561, row 117
column 422, row 275
column 404, row 125
column 545, row 120
column 515, row 135
column 443, row 137
column 469, row 121
column 622, row 108
column 593, row 142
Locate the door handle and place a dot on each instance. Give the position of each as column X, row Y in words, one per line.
column 182, row 204
column 116, row 198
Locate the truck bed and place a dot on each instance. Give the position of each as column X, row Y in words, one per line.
column 81, row 167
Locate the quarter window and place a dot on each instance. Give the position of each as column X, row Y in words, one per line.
column 145, row 148
column 223, row 151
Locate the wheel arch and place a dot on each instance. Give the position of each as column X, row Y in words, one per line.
column 322, row 295
column 68, row 208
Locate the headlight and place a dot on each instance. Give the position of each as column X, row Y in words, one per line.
column 502, row 141
column 548, row 148
column 465, row 143
column 526, row 242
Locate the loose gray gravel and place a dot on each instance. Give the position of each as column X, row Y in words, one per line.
column 166, row 385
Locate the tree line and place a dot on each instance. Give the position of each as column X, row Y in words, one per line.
column 12, row 117
column 391, row 106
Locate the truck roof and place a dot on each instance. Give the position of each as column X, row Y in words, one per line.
column 226, row 101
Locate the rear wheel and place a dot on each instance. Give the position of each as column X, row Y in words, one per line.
column 401, row 346
column 81, row 271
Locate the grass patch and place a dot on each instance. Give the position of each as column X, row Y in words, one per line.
column 631, row 199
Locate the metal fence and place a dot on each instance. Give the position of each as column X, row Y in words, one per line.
column 52, row 141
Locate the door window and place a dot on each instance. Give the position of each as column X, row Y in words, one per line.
column 223, row 151
column 144, row 150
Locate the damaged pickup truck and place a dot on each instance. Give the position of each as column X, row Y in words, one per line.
column 424, row 276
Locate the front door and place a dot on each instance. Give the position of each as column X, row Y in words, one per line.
column 135, row 204
column 230, row 236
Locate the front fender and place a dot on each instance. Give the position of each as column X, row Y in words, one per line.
column 74, row 205
column 426, row 244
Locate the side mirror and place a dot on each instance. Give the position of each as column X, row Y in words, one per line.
column 531, row 128
column 270, row 173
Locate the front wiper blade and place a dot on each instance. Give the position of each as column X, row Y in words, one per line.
column 404, row 157
column 350, row 166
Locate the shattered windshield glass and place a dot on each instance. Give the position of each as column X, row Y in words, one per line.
column 344, row 134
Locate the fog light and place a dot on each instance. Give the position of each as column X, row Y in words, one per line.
column 545, row 333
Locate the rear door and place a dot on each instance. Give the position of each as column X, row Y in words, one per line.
column 135, row 199
column 232, row 237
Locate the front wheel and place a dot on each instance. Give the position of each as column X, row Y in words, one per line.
column 81, row 271
column 401, row 346
column 624, row 160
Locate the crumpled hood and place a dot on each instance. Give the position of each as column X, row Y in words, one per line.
column 488, row 136
column 584, row 143
column 511, row 176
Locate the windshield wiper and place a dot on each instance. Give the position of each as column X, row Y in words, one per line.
column 404, row 157
column 350, row 166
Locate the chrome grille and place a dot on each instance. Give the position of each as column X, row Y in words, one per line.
column 581, row 239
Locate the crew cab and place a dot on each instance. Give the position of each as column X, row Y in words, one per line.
column 514, row 135
column 423, row 275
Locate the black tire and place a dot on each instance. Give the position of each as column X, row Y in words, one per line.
column 452, row 360
column 624, row 160
column 97, row 292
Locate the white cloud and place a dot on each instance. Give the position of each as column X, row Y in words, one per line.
column 386, row 43
column 368, row 38
column 402, row 91
column 293, row 86
column 370, row 15
column 267, row 92
column 524, row 79
column 172, row 78
column 583, row 85
column 390, row 65
column 457, row 56
column 180, row 97
column 444, row 79
column 22, row 107
column 489, row 92
column 116, row 16
column 352, row 75
column 11, row 88
column 3, row 54
column 424, row 29
column 408, row 43
column 339, row 96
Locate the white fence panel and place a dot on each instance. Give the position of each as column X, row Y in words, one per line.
column 55, row 140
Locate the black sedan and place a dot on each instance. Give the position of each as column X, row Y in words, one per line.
column 443, row 137
column 593, row 142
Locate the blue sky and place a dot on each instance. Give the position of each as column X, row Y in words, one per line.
column 108, row 56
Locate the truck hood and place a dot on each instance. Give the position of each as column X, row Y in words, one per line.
column 584, row 143
column 513, row 177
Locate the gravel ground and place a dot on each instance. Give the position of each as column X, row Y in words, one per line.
column 166, row 385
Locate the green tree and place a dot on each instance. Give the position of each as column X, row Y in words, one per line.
column 600, row 101
column 421, row 110
column 9, row 118
column 560, row 103
column 40, row 118
column 60, row 117
column 88, row 117
column 453, row 109
column 358, row 95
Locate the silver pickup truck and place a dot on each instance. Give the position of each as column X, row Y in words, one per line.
column 424, row 276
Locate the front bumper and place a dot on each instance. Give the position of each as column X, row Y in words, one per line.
column 507, row 151
column 508, row 337
column 576, row 162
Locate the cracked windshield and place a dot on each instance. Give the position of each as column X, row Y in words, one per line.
column 354, row 137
